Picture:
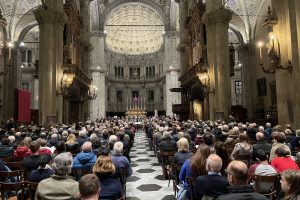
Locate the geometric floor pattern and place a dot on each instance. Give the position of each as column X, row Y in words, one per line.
column 146, row 182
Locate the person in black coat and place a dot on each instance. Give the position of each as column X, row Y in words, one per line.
column 213, row 184
column 167, row 143
column 237, row 175
column 183, row 151
column 261, row 145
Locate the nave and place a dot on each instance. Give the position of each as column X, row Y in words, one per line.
column 146, row 182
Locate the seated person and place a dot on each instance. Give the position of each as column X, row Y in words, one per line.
column 59, row 185
column 120, row 161
column 183, row 151
column 89, row 187
column 86, row 158
column 22, row 151
column 213, row 184
column 262, row 168
column 105, row 169
column 44, row 170
column 237, row 175
column 261, row 145
column 71, row 144
column 31, row 163
column 283, row 161
column 6, row 149
column 243, row 147
column 290, row 180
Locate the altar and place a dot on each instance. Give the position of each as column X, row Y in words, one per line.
column 135, row 107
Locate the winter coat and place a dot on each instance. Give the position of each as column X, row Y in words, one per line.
column 22, row 152
column 84, row 160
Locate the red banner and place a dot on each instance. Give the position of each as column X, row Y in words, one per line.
column 23, row 98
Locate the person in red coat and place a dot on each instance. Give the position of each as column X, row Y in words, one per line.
column 22, row 151
column 283, row 161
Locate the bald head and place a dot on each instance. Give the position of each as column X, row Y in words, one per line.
column 213, row 163
column 237, row 173
column 259, row 136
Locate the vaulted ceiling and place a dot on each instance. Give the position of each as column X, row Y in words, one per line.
column 247, row 13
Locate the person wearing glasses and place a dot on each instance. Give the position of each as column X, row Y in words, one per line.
column 239, row 189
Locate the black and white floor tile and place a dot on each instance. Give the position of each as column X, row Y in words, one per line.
column 146, row 182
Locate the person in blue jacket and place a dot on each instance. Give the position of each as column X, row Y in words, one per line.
column 86, row 158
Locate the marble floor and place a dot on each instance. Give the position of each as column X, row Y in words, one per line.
column 146, row 182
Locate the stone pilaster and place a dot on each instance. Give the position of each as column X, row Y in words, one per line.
column 286, row 82
column 217, row 23
column 246, row 52
column 51, row 22
column 183, row 47
column 98, row 68
column 97, row 108
column 85, row 45
column 172, row 76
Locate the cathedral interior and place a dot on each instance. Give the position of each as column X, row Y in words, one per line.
column 199, row 59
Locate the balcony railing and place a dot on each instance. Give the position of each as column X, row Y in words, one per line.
column 180, row 108
column 136, row 79
column 191, row 73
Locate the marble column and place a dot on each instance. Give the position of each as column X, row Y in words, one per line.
column 287, row 82
column 246, row 52
column 97, row 108
column 172, row 76
column 217, row 23
column 35, row 93
column 172, row 68
column 85, row 47
column 98, row 68
column 51, row 23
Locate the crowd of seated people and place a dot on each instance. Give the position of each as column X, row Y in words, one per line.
column 50, row 156
column 260, row 150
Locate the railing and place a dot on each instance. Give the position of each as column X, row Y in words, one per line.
column 79, row 74
column 137, row 79
column 191, row 73
column 180, row 108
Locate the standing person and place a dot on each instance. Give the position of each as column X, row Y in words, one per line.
column 89, row 187
column 59, row 186
column 290, row 181
column 237, row 175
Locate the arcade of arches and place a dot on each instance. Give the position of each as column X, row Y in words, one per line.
column 201, row 59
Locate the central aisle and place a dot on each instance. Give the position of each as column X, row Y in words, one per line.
column 146, row 182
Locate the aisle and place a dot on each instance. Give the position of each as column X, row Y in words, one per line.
column 146, row 182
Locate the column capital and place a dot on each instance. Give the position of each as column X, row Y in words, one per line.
column 219, row 16
column 50, row 16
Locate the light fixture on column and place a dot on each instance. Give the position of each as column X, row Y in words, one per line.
column 205, row 81
column 273, row 56
column 273, row 47
column 66, row 82
column 92, row 92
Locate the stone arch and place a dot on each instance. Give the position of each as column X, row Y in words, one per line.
column 27, row 22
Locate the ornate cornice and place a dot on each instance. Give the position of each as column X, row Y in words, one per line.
column 50, row 16
column 219, row 16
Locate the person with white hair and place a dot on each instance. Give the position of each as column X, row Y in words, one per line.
column 120, row 161
column 167, row 143
column 59, row 186
column 81, row 137
column 86, row 158
column 213, row 184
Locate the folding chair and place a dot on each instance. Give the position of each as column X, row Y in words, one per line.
column 266, row 185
